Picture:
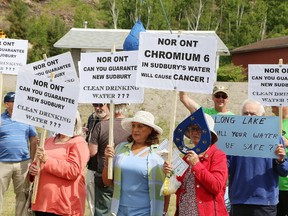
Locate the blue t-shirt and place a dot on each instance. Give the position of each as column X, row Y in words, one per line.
column 14, row 139
column 134, row 190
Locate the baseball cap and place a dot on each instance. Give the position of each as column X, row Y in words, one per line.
column 220, row 88
column 9, row 97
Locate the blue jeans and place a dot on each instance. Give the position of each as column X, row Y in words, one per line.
column 133, row 211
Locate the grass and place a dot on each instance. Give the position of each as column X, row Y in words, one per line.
column 9, row 204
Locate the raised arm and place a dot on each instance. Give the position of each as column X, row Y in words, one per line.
column 190, row 104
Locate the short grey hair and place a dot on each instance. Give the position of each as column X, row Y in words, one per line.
column 261, row 110
column 119, row 108
column 78, row 125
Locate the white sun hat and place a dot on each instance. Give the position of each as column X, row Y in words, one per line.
column 211, row 124
column 142, row 117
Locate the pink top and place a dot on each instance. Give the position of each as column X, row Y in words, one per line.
column 61, row 188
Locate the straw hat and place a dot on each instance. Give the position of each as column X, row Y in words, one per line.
column 142, row 117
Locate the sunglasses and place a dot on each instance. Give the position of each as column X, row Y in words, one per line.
column 98, row 105
column 220, row 95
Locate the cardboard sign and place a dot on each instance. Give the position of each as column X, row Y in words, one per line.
column 177, row 62
column 251, row 136
column 268, row 84
column 13, row 54
column 61, row 65
column 44, row 103
column 106, row 77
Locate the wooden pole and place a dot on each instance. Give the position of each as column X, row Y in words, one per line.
column 172, row 125
column 36, row 181
column 111, row 134
column 280, row 107
column 111, row 140
column 41, row 145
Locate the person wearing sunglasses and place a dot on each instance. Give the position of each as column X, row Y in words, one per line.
column 98, row 141
column 101, row 112
column 220, row 98
column 253, row 181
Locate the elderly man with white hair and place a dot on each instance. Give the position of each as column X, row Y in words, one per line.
column 253, row 181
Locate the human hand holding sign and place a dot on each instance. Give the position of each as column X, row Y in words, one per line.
column 41, row 154
column 192, row 158
column 280, row 152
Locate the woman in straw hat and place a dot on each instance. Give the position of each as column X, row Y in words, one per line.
column 138, row 173
column 203, row 184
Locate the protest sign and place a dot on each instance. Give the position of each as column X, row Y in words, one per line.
column 13, row 54
column 61, row 65
column 268, row 84
column 45, row 103
column 250, row 136
column 177, row 62
column 109, row 76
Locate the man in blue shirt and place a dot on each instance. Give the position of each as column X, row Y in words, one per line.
column 253, row 181
column 15, row 153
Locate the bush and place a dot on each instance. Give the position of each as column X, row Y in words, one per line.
column 231, row 73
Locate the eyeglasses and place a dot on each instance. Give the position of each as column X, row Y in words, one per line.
column 98, row 105
column 194, row 129
column 220, row 95
column 249, row 114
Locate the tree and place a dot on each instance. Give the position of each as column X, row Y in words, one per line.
column 18, row 17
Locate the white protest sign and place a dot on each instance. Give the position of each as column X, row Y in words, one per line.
column 178, row 164
column 106, row 76
column 13, row 54
column 182, row 62
column 268, row 84
column 250, row 136
column 44, row 103
column 61, row 65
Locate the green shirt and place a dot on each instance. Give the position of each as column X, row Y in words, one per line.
column 212, row 111
column 283, row 181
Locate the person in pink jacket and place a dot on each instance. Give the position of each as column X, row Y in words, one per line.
column 204, row 182
column 61, row 189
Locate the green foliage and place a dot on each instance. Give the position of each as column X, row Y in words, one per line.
column 236, row 22
column 18, row 17
column 231, row 73
column 45, row 32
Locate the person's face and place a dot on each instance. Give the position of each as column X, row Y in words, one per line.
column 9, row 107
column 220, row 99
column 140, row 132
column 194, row 133
column 250, row 110
column 101, row 110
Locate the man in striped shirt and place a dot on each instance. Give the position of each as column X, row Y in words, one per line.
column 18, row 142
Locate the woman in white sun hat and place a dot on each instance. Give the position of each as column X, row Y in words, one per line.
column 138, row 174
